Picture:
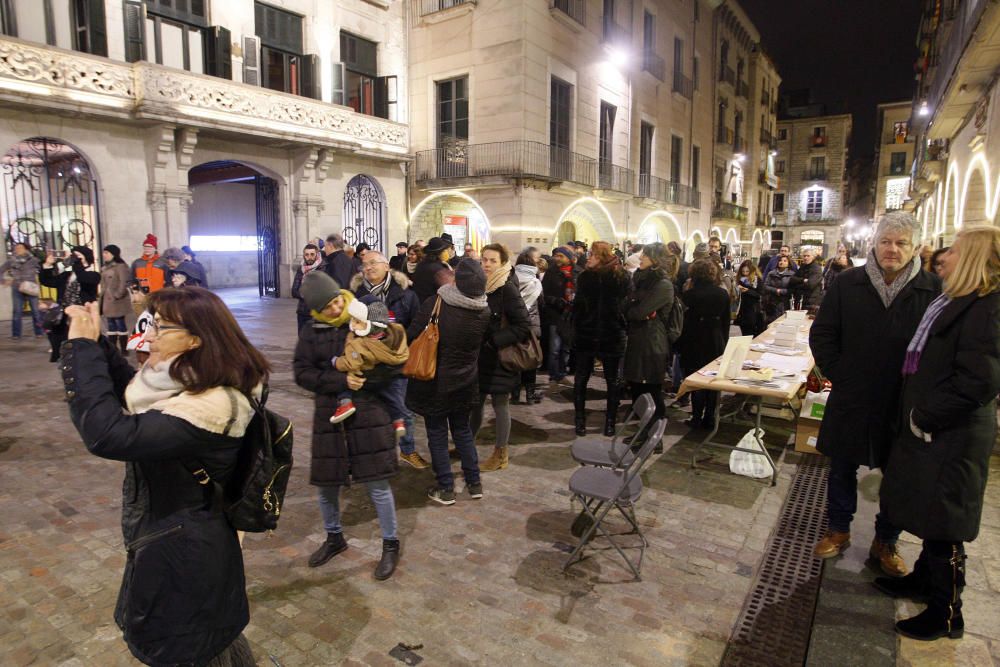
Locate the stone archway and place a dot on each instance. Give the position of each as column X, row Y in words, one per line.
column 949, row 209
column 659, row 226
column 591, row 221
column 974, row 204
column 452, row 211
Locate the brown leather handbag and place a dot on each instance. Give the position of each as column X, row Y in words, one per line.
column 422, row 364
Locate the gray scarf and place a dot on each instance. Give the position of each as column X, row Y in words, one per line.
column 889, row 292
column 453, row 297
column 381, row 290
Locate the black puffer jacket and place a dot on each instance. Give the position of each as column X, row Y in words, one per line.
column 183, row 596
column 456, row 386
column 935, row 490
column 504, row 301
column 807, row 284
column 401, row 301
column 368, row 452
column 599, row 313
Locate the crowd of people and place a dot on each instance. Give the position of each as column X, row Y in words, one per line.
column 915, row 368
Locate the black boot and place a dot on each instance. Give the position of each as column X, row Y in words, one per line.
column 536, row 394
column 581, row 423
column 609, row 425
column 915, row 585
column 529, row 394
column 515, row 396
column 390, row 558
column 943, row 616
column 123, row 345
column 335, row 544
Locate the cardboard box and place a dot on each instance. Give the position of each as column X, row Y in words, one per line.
column 806, row 434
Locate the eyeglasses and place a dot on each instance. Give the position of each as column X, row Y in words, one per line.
column 158, row 328
column 373, row 263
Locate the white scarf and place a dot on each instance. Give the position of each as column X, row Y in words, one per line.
column 152, row 388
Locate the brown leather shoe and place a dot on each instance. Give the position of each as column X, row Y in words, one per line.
column 832, row 544
column 888, row 558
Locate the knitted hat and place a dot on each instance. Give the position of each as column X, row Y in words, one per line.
column 358, row 310
column 151, row 240
column 700, row 251
column 87, row 253
column 470, row 279
column 378, row 314
column 115, row 251
column 318, row 289
column 565, row 252
column 175, row 254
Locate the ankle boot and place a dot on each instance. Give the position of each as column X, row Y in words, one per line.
column 580, row 421
column 914, row 586
column 537, row 394
column 943, row 616
column 498, row 460
column 334, row 544
column 609, row 425
column 529, row 394
column 515, row 396
column 123, row 345
column 390, row 558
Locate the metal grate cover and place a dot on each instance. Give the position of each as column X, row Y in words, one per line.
column 777, row 617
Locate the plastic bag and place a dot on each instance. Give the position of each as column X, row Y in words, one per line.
column 747, row 464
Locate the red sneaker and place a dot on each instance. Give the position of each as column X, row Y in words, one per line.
column 400, row 427
column 344, row 411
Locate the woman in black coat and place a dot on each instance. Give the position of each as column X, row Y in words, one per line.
column 599, row 330
column 648, row 353
column 776, row 299
column 73, row 288
column 447, row 400
column 433, row 270
column 183, row 597
column 509, row 324
column 936, row 476
column 359, row 450
column 706, row 330
column 751, row 287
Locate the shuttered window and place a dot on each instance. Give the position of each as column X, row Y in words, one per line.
column 278, row 29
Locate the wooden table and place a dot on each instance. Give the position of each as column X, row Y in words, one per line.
column 701, row 380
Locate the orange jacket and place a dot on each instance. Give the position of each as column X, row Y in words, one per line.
column 149, row 272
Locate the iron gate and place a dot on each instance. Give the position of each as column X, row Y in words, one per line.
column 364, row 213
column 268, row 243
column 49, row 197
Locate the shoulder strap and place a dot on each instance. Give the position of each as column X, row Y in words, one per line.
column 436, row 312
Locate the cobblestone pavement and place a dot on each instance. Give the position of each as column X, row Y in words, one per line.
column 480, row 582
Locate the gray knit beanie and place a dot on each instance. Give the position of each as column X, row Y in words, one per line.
column 318, row 289
column 378, row 314
column 470, row 278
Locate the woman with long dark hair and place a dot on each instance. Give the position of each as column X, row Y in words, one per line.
column 183, row 598
column 648, row 353
column 749, row 284
column 599, row 330
column 75, row 283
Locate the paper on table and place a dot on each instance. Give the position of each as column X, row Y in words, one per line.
column 779, row 362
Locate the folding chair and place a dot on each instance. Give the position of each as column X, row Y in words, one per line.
column 596, row 451
column 600, row 489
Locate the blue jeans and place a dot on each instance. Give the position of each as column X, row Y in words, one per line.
column 381, row 494
column 437, row 441
column 558, row 355
column 18, row 300
column 394, row 397
column 842, row 501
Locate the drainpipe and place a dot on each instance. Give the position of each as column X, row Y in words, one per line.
column 694, row 46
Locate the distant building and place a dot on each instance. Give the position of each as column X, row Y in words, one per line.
column 812, row 166
column 893, row 157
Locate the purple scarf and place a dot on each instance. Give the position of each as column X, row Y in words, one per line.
column 919, row 340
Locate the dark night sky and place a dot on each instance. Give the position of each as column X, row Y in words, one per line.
column 852, row 54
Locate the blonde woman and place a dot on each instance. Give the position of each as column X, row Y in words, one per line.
column 936, row 476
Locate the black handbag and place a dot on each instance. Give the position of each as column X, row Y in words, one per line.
column 53, row 318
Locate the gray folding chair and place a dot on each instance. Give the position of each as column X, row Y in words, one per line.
column 597, row 451
column 601, row 489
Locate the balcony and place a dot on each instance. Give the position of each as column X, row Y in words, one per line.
column 654, row 64
column 724, row 135
column 435, row 6
column 742, row 89
column 667, row 192
column 765, row 99
column 575, row 9
column 727, row 75
column 817, row 142
column 770, row 180
column 727, row 211
column 816, row 175
column 461, row 163
column 81, row 84
column 767, row 138
column 683, row 85
column 739, row 145
column 613, row 178
column 955, row 37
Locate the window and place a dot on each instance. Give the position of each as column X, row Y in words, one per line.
column 779, row 167
column 814, row 203
column 779, row 202
column 453, row 112
column 360, row 58
column 817, row 168
column 645, row 157
column 8, row 24
column 678, row 55
column 648, row 32
column 819, row 137
column 283, row 65
column 559, row 113
column 695, row 166
column 172, row 34
column 897, row 164
column 606, row 141
column 782, row 134
column 895, row 193
column 89, row 27
column 188, row 11
column 694, row 72
column 676, row 158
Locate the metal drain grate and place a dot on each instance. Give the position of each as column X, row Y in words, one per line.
column 777, row 617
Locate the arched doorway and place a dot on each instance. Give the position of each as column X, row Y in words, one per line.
column 234, row 223
column 364, row 213
column 48, row 197
column 454, row 212
column 949, row 210
column 974, row 205
column 591, row 221
column 696, row 237
column 659, row 226
column 565, row 233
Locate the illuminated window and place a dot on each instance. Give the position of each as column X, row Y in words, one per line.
column 814, row 203
column 895, row 192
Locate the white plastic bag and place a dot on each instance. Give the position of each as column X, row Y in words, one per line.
column 747, row 464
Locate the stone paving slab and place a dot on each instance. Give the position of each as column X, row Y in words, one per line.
column 480, row 582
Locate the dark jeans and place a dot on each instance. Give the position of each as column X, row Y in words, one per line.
column 529, row 378
column 842, row 501
column 584, row 369
column 558, row 355
column 18, row 300
column 116, row 326
column 437, row 441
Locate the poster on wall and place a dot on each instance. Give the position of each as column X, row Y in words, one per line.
column 458, row 227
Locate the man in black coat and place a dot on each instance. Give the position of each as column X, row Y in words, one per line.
column 336, row 263
column 807, row 283
column 558, row 291
column 859, row 341
column 398, row 261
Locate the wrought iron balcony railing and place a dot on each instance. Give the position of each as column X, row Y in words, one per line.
column 667, row 192
column 766, row 137
column 742, row 89
column 728, row 211
column 816, row 175
column 683, row 85
column 615, row 178
column 575, row 9
column 434, row 6
column 727, row 75
column 654, row 64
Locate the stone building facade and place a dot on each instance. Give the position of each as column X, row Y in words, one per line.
column 241, row 128
column 893, row 157
column 812, row 166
